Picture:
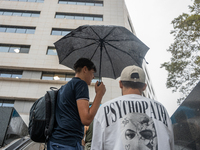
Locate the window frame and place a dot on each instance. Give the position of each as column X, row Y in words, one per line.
column 76, row 16
column 10, row 47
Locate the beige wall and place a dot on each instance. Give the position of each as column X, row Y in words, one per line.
column 113, row 14
column 30, row 87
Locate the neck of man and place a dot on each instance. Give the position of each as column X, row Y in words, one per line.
column 79, row 75
column 127, row 91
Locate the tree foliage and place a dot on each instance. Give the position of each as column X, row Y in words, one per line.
column 184, row 66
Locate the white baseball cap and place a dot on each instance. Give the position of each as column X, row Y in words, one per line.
column 133, row 73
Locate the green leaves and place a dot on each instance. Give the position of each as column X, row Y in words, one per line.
column 184, row 66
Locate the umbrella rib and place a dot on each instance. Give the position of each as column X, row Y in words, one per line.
column 109, row 33
column 85, row 38
column 120, row 40
column 95, row 51
column 110, row 60
column 95, row 32
column 76, row 50
column 122, row 51
column 105, row 36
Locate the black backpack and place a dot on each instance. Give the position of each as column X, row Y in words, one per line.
column 42, row 117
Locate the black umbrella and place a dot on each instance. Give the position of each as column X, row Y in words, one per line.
column 110, row 48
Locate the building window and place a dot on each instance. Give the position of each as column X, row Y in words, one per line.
column 75, row 2
column 14, row 29
column 36, row 1
column 11, row 73
column 14, row 48
column 60, row 76
column 56, row 76
column 61, row 32
column 79, row 16
column 19, row 13
column 51, row 51
column 95, row 80
column 6, row 103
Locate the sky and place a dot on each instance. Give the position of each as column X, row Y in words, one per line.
column 151, row 20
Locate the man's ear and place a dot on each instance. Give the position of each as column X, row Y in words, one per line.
column 120, row 84
column 84, row 69
column 144, row 87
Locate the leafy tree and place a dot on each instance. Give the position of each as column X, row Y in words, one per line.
column 184, row 65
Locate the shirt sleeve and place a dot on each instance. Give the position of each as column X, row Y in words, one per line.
column 81, row 91
column 98, row 134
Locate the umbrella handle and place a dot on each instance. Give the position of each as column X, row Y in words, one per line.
column 99, row 82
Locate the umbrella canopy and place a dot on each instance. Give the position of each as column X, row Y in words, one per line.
column 110, row 48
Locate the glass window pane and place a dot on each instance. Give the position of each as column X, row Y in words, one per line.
column 98, row 19
column 51, row 52
column 31, row 0
column 55, row 32
column 40, row 1
column 1, row 12
column 11, row 30
column 26, row 14
column 8, row 105
column 17, row 14
column 21, row 30
column 24, row 50
column 65, row 32
column 72, row 3
column 69, row 17
column 35, row 15
column 59, row 16
column 69, row 77
column 17, row 76
column 4, row 48
column 80, row 3
column 62, row 2
column 6, row 75
column 48, row 76
column 79, row 17
column 23, row 0
column 14, row 50
column 89, row 4
column 98, row 4
column 2, row 29
column 7, row 13
column 30, row 31
column 60, row 77
column 88, row 18
column 95, row 80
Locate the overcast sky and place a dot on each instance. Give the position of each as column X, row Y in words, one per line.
column 152, row 22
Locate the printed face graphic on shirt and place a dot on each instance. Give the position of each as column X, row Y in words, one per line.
column 138, row 132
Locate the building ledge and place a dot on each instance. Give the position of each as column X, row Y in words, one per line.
column 36, row 80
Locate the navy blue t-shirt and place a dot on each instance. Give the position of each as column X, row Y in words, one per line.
column 69, row 129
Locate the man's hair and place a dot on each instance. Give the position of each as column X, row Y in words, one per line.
column 84, row 62
column 133, row 85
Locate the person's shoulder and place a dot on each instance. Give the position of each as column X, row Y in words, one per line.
column 78, row 81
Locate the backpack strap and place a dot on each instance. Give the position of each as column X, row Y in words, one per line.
column 53, row 88
column 46, row 129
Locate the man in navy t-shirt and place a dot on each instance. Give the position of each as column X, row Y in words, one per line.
column 72, row 109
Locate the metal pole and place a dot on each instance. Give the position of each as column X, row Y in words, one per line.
column 101, row 48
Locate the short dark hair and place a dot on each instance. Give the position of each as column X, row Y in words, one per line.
column 133, row 85
column 80, row 63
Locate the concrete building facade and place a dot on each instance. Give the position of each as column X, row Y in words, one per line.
column 28, row 62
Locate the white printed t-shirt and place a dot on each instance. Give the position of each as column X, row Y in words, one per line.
column 132, row 122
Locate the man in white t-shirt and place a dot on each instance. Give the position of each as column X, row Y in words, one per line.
column 131, row 121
